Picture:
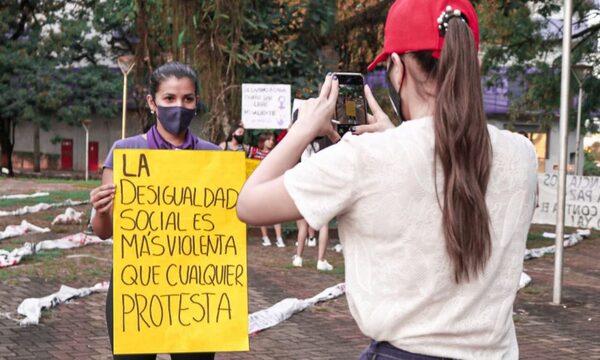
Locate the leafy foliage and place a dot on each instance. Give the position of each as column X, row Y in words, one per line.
column 280, row 43
column 525, row 39
column 589, row 165
column 51, row 52
column 49, row 56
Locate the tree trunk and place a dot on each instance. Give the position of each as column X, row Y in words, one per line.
column 218, row 66
column 36, row 148
column 145, row 53
column 6, row 146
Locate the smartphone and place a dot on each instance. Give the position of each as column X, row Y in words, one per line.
column 351, row 106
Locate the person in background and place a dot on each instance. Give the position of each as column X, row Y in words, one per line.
column 172, row 99
column 304, row 229
column 433, row 214
column 266, row 143
column 235, row 140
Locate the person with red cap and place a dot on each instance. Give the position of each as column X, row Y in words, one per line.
column 433, row 214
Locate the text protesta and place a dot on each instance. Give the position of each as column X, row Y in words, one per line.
column 182, row 309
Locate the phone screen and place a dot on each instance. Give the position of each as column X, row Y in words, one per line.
column 350, row 109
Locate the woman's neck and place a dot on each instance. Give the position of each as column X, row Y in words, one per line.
column 418, row 99
column 418, row 107
column 176, row 140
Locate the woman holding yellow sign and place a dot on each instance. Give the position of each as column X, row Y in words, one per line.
column 173, row 98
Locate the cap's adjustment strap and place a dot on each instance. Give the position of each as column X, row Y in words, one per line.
column 445, row 17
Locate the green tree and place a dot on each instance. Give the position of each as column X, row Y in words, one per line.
column 49, row 68
column 273, row 41
column 524, row 38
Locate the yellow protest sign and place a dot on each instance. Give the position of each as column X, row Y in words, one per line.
column 179, row 252
column 251, row 165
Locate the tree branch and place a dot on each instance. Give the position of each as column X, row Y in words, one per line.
column 372, row 15
column 586, row 32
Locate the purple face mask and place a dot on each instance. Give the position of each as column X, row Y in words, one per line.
column 175, row 119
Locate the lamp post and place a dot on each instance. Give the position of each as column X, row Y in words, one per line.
column 86, row 123
column 126, row 63
column 581, row 72
column 565, row 83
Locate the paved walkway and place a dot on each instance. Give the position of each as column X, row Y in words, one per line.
column 326, row 331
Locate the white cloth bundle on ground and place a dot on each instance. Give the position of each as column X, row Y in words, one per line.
column 524, row 280
column 24, row 196
column 41, row 207
column 571, row 240
column 22, row 229
column 13, row 257
column 70, row 216
column 284, row 309
column 69, row 242
column 32, row 308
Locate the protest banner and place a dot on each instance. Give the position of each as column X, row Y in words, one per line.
column 266, row 106
column 582, row 201
column 179, row 253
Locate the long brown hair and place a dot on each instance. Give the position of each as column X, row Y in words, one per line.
column 264, row 136
column 463, row 147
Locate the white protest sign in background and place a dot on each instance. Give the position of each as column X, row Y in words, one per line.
column 582, row 208
column 266, row 106
column 296, row 104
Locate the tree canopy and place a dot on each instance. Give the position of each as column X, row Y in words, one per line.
column 523, row 39
column 49, row 71
column 53, row 53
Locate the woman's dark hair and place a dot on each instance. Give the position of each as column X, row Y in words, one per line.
column 264, row 136
column 230, row 136
column 463, row 147
column 168, row 70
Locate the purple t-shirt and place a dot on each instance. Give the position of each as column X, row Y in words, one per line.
column 139, row 142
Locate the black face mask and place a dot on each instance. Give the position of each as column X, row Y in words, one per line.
column 395, row 95
column 175, row 119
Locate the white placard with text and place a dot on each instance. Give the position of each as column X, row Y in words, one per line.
column 582, row 208
column 266, row 106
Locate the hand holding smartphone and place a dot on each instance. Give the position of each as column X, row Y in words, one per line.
column 351, row 107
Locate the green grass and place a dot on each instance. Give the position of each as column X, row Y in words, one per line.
column 48, row 217
column 99, row 273
column 537, row 240
column 531, row 290
column 5, row 274
column 46, row 255
column 536, row 236
column 89, row 184
column 54, row 197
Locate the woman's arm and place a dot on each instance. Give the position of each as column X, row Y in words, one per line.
column 102, row 201
column 264, row 199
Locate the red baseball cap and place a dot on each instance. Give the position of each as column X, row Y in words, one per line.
column 412, row 25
